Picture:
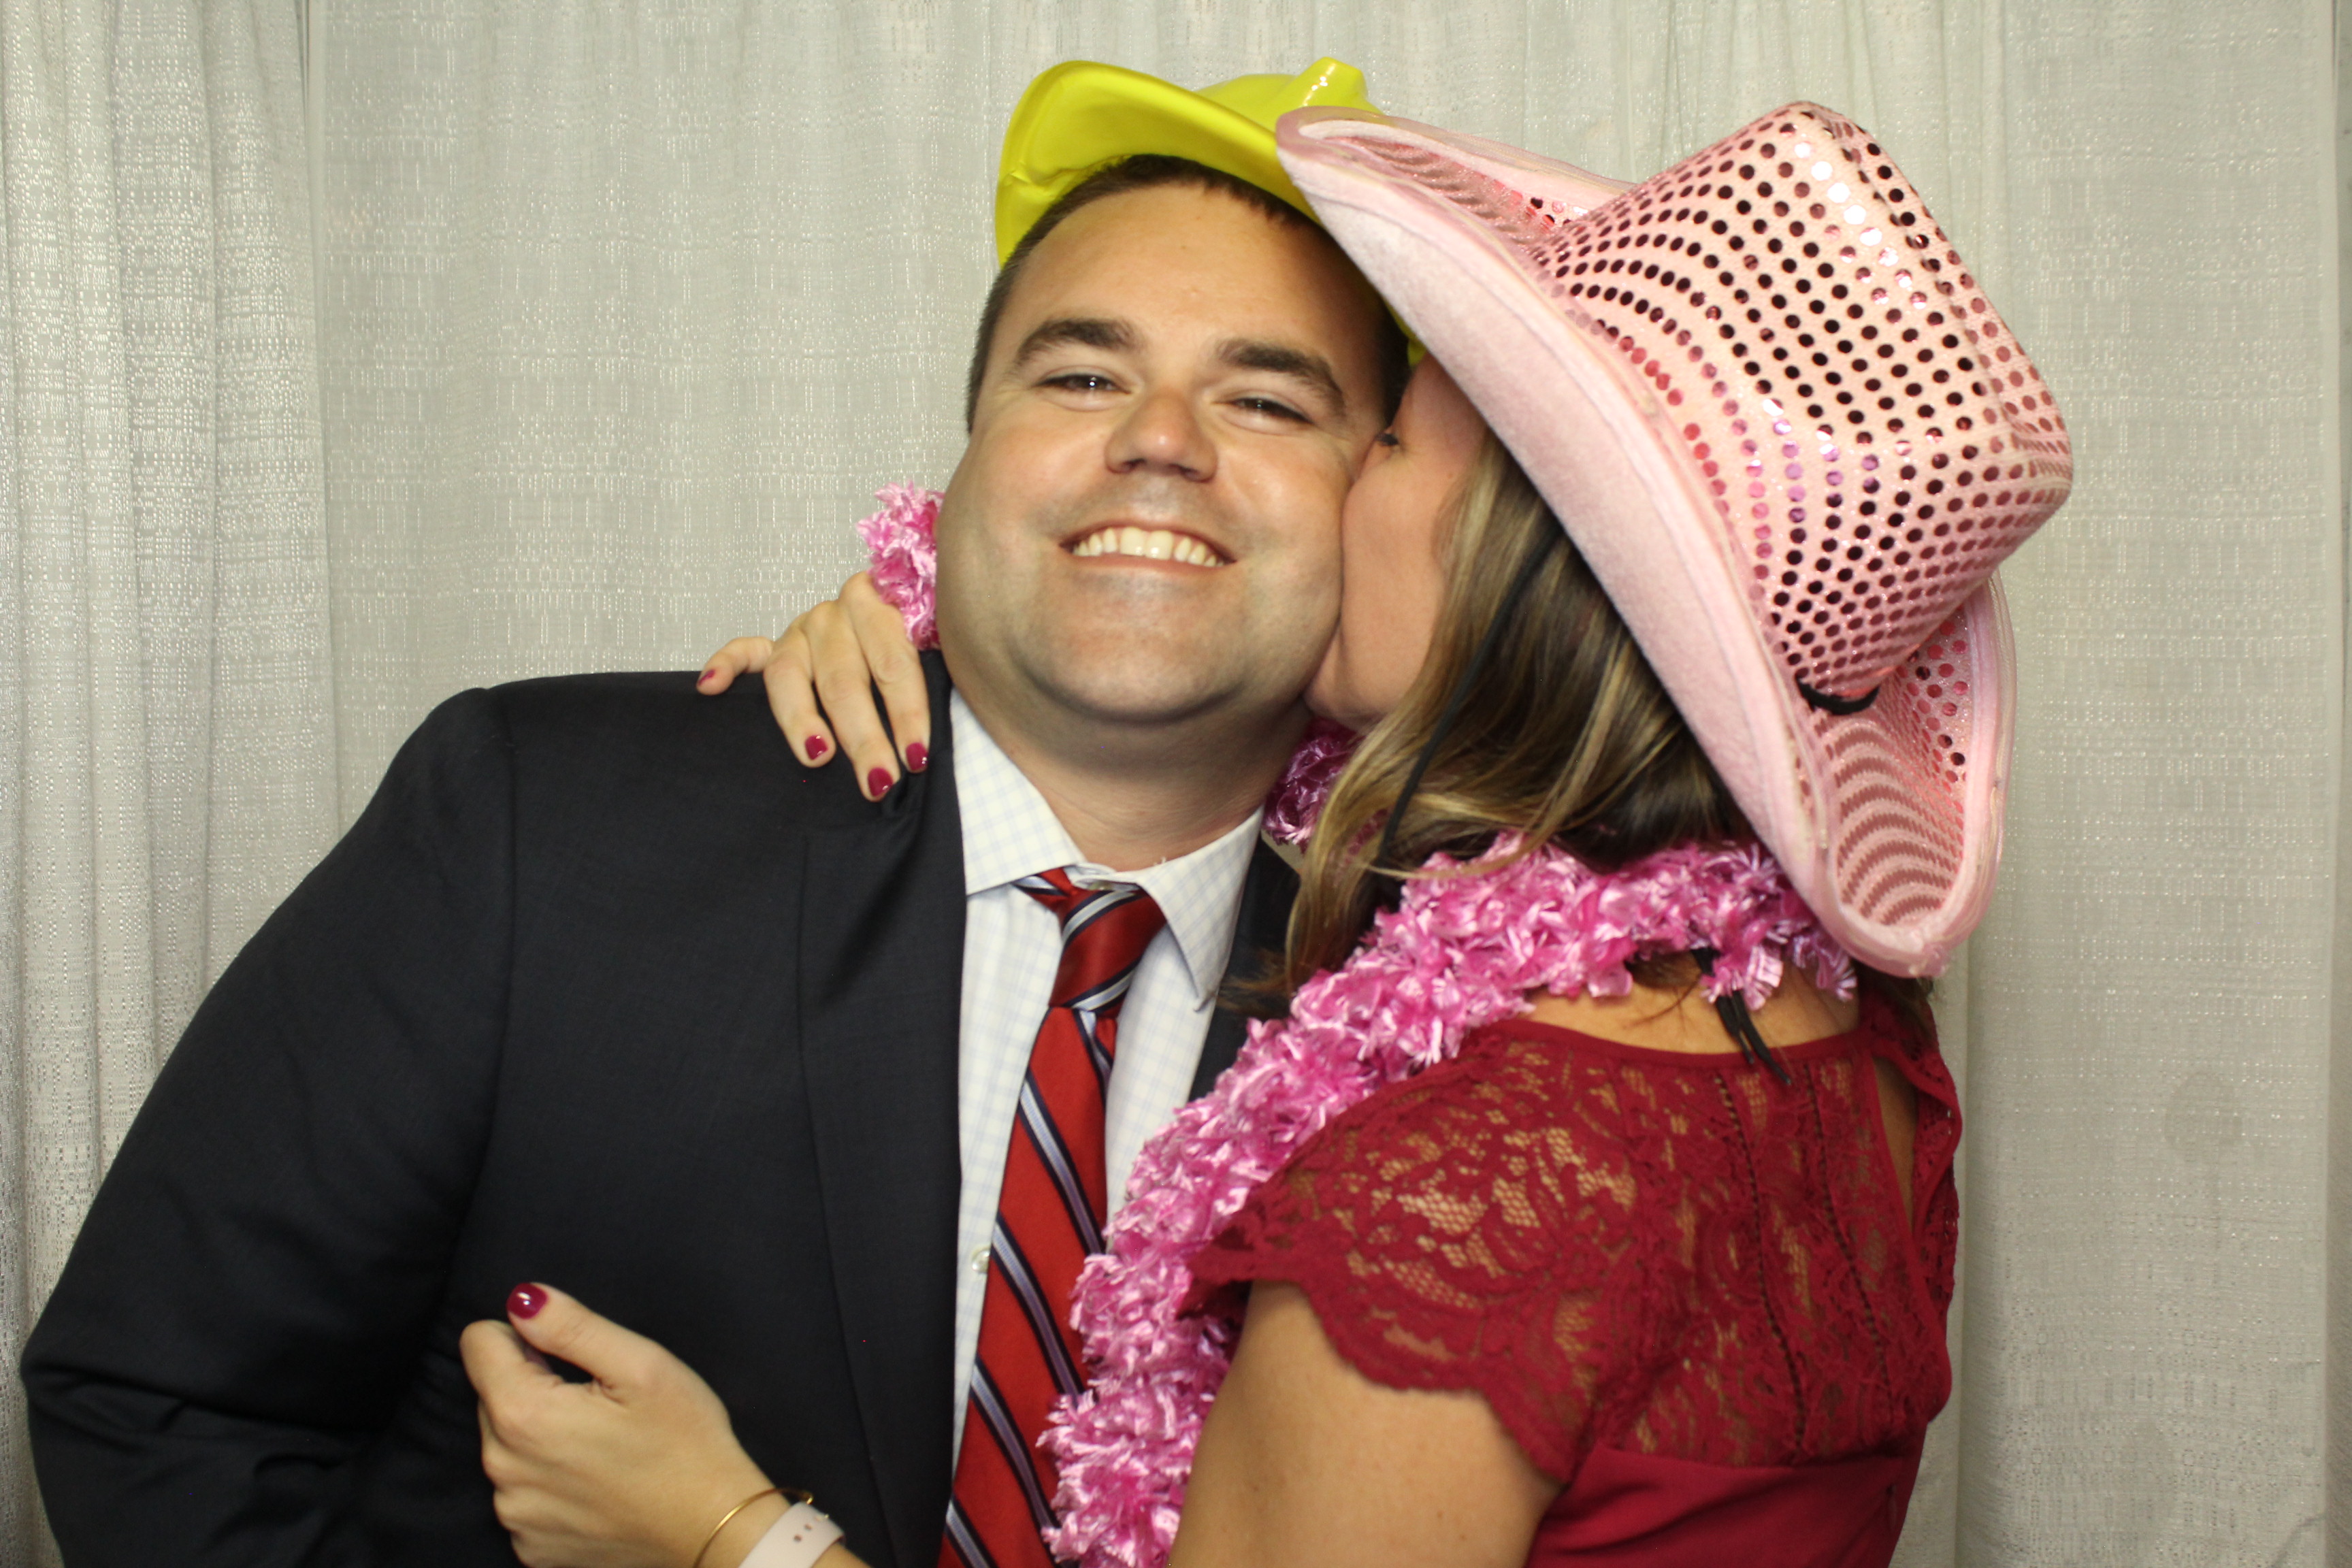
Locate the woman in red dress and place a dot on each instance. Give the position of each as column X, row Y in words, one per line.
column 1683, row 1301
column 1606, row 1211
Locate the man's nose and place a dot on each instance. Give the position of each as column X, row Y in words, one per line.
column 1162, row 433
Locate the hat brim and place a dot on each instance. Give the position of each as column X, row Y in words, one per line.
column 1838, row 800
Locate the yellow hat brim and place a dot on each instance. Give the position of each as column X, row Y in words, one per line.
column 1080, row 115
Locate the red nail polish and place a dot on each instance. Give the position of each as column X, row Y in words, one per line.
column 706, row 678
column 816, row 747
column 525, row 1300
column 919, row 757
column 877, row 782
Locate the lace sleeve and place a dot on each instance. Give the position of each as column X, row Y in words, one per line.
column 1936, row 1192
column 1457, row 1231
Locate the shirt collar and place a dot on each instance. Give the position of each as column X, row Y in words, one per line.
column 1009, row 832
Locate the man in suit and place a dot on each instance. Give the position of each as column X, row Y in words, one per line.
column 605, row 989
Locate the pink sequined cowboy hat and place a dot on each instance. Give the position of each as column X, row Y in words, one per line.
column 1772, row 410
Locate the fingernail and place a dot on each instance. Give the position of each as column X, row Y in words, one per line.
column 877, row 782
column 919, row 757
column 706, row 678
column 525, row 1300
column 816, row 747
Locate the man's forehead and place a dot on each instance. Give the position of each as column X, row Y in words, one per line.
column 1279, row 279
column 1188, row 226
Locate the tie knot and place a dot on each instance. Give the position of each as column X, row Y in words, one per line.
column 1104, row 933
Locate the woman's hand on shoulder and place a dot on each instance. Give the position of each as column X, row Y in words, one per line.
column 821, row 677
column 1305, row 1462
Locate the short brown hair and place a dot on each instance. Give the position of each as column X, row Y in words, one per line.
column 1149, row 171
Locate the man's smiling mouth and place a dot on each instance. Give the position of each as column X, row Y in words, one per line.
column 1150, row 544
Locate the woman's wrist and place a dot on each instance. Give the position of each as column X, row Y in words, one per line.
column 739, row 1534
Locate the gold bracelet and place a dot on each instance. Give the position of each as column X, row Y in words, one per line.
column 729, row 1518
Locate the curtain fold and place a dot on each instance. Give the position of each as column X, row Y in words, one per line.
column 2145, row 1331
column 623, row 309
column 2340, row 1123
column 166, row 720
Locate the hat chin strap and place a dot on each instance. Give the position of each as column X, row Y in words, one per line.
column 1737, row 1022
column 1830, row 703
column 1479, row 660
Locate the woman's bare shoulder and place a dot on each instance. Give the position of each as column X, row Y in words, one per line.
column 1682, row 1018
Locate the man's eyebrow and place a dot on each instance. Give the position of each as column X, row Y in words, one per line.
column 1105, row 332
column 1281, row 359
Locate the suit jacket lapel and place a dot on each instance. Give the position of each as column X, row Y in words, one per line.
column 1258, row 936
column 881, row 978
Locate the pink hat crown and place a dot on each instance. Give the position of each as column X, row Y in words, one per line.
column 1792, row 438
column 1874, row 439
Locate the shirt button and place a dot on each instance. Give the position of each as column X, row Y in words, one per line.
column 980, row 1261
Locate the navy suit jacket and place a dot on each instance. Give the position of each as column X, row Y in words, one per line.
column 604, row 989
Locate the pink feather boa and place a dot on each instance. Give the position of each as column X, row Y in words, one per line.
column 1463, row 949
column 903, row 556
column 905, row 567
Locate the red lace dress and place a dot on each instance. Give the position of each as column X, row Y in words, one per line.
column 1690, row 1293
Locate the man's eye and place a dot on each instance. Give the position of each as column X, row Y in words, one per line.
column 1268, row 406
column 1083, row 381
column 1387, row 438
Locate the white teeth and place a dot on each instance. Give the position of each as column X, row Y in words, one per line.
column 1154, row 544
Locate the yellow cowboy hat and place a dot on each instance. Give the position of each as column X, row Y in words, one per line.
column 1079, row 115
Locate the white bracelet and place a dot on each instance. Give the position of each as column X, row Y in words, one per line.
column 795, row 1540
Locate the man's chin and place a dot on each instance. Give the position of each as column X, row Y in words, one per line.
column 1168, row 692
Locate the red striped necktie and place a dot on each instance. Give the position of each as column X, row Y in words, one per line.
column 1048, row 1218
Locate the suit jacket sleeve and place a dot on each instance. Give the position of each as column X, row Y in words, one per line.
column 209, row 1367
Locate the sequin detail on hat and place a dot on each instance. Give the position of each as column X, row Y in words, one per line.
column 1849, row 421
column 1874, row 440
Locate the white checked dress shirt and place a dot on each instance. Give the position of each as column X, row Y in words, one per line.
column 1012, row 946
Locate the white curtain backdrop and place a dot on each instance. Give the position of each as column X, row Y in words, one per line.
column 624, row 310
column 166, row 725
